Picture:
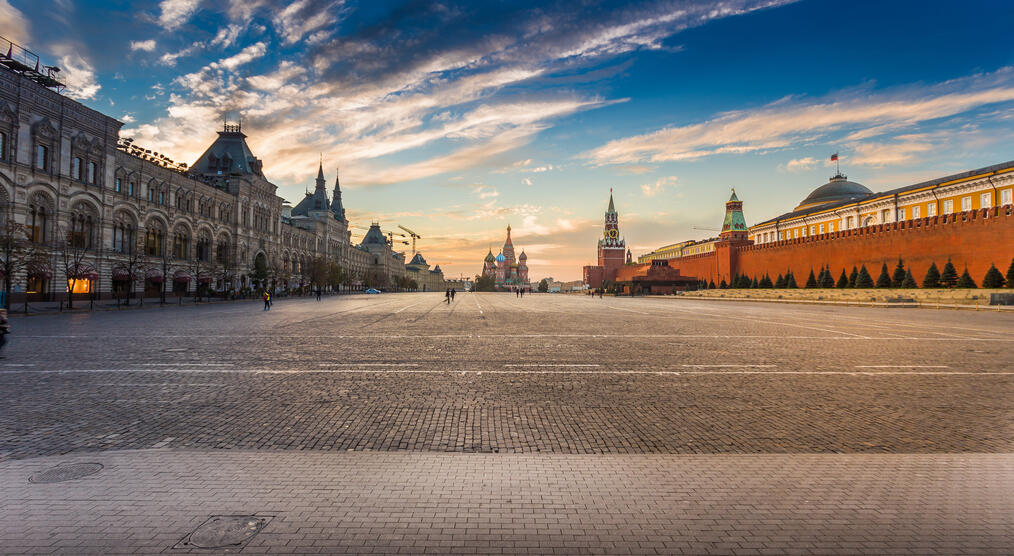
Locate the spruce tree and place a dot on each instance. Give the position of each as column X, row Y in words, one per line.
column 828, row 281
column 790, row 281
column 949, row 277
column 966, row 280
column 932, row 279
column 864, row 280
column 711, row 284
column 745, row 282
column 853, row 276
column 884, row 280
column 993, row 278
column 723, row 285
column 811, row 282
column 780, row 282
column 754, row 284
column 766, row 282
column 1010, row 274
column 899, row 274
column 909, row 281
column 843, row 280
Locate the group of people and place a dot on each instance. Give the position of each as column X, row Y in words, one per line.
column 449, row 295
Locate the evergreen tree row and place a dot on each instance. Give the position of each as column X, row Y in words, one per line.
column 860, row 277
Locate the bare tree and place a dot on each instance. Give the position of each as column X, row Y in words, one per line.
column 16, row 252
column 135, row 262
column 74, row 251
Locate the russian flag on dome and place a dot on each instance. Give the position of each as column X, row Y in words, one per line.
column 834, row 157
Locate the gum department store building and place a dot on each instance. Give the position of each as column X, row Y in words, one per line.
column 105, row 209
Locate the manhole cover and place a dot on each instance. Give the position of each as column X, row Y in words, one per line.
column 221, row 531
column 65, row 472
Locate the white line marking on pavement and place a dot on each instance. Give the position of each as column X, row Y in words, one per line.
column 736, row 366
column 19, row 364
column 553, row 365
column 158, row 384
column 488, row 371
column 903, row 366
column 370, row 364
column 187, row 364
column 596, row 335
column 406, row 307
column 477, row 305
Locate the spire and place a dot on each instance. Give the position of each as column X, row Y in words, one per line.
column 734, row 226
column 734, row 197
column 320, row 174
column 611, row 208
column 336, row 200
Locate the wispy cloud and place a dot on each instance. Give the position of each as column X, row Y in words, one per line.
column 793, row 121
column 174, row 13
column 13, row 24
column 800, row 164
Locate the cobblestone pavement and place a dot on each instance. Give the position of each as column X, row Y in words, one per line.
column 612, row 425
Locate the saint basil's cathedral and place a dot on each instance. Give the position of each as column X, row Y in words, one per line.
column 508, row 273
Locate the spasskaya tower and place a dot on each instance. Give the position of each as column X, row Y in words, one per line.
column 612, row 248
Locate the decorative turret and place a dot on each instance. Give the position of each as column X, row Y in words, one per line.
column 508, row 247
column 523, row 257
column 316, row 201
column 734, row 226
column 336, row 201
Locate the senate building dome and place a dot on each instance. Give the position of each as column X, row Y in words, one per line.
column 838, row 189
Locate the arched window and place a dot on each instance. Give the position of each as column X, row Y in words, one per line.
column 83, row 220
column 181, row 244
column 38, row 219
column 41, row 157
column 154, row 239
column 222, row 251
column 124, row 234
column 75, row 168
column 92, row 173
column 203, row 247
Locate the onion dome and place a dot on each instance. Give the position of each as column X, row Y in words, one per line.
column 837, row 189
column 489, row 257
column 523, row 257
column 500, row 258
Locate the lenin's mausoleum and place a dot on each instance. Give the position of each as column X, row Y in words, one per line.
column 964, row 218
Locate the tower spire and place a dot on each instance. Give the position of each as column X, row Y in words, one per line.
column 320, row 174
column 336, row 199
column 611, row 208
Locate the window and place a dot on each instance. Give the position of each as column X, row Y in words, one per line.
column 811, row 230
column 901, row 215
column 966, row 203
column 82, row 228
column 37, row 223
column 42, row 157
column 181, row 244
column 848, row 222
column 781, row 236
column 153, row 242
column 885, row 215
column 123, row 237
column 916, row 212
column 985, row 200
column 151, row 194
column 202, row 249
column 948, row 206
column 75, row 168
column 3, row 146
column 821, row 228
column 130, row 188
column 830, row 226
column 93, row 170
column 118, row 185
column 931, row 209
column 795, row 233
column 1005, row 197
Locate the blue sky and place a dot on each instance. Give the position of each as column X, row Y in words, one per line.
column 457, row 118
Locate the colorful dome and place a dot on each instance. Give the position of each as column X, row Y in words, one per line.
column 500, row 258
column 523, row 257
column 489, row 256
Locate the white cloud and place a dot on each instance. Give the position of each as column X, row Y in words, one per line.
column 175, row 13
column 76, row 72
column 652, row 189
column 800, row 164
column 127, row 119
column 13, row 24
column 791, row 121
column 527, row 181
column 147, row 46
column 903, row 151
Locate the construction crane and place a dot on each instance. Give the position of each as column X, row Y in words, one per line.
column 390, row 239
column 707, row 229
column 414, row 235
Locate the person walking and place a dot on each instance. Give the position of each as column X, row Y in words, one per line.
column 452, row 294
column 5, row 329
column 267, row 300
column 522, row 293
column 517, row 292
column 447, row 296
column 318, row 294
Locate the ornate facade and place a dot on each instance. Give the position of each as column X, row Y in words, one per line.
column 105, row 216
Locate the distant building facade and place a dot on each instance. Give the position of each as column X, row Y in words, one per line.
column 106, row 217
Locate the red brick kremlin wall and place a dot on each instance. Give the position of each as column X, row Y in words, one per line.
column 973, row 239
